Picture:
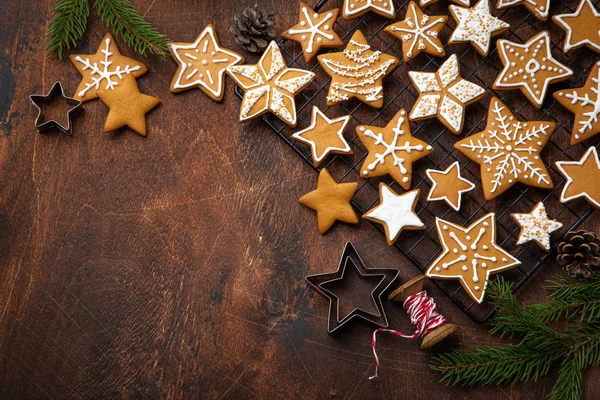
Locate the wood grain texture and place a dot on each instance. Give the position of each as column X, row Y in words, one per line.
column 173, row 266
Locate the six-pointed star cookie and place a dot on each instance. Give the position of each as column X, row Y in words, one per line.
column 536, row 226
column 476, row 25
column 314, row 31
column 331, row 201
column 395, row 212
column 582, row 27
column 419, row 32
column 583, row 178
column 539, row 8
column 357, row 72
column 46, row 118
column 530, row 68
column 392, row 150
column 508, row 151
column 356, row 8
column 104, row 70
column 445, row 95
column 202, row 64
column 448, row 185
column 324, row 136
column 270, row 86
column 470, row 255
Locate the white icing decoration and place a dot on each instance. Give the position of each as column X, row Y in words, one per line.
column 560, row 20
column 561, row 164
column 540, row 7
column 420, row 32
column 354, row 7
column 425, row 3
column 447, row 171
column 590, row 100
column 313, row 29
column 536, row 226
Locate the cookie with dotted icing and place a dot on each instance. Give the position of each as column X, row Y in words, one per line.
column 583, row 178
column 448, row 185
column 357, row 8
column 314, row 31
column 530, row 67
column 444, row 94
column 392, row 150
column 536, row 226
column 470, row 255
column 418, row 33
column 582, row 27
column 539, row 8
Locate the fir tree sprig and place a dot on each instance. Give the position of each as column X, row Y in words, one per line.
column 67, row 27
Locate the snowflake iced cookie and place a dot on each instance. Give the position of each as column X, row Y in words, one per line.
column 419, row 32
column 470, row 255
column 356, row 8
column 530, row 68
column 104, row 70
column 583, row 178
column 270, row 86
column 392, row 150
column 314, row 31
column 426, row 3
column 357, row 72
column 395, row 212
column 331, row 201
column 202, row 64
column 582, row 27
column 448, row 185
column 325, row 136
column 508, row 151
column 476, row 25
column 536, row 226
column 539, row 8
column 445, row 95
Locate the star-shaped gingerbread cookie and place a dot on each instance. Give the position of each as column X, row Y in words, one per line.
column 582, row 27
column 583, row 178
column 539, row 8
column 392, row 150
column 536, row 226
column 508, row 151
column 470, row 255
column 448, row 185
column 426, row 3
column 356, row 8
column 202, row 64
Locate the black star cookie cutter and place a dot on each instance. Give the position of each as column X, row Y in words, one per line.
column 40, row 101
column 351, row 259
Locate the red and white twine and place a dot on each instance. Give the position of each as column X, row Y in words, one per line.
column 421, row 309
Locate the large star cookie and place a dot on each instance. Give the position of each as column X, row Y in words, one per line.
column 392, row 150
column 270, row 86
column 582, row 27
column 445, row 95
column 356, row 8
column 476, row 25
column 470, row 255
column 539, row 8
column 508, row 151
column 448, row 185
column 536, row 226
column 357, row 72
column 583, row 178
column 530, row 68
column 419, row 32
column 104, row 70
column 202, row 64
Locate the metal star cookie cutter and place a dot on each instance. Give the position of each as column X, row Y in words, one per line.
column 350, row 256
column 57, row 90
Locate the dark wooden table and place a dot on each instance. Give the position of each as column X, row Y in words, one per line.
column 173, row 266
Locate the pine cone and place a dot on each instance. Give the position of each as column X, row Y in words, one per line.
column 579, row 252
column 254, row 29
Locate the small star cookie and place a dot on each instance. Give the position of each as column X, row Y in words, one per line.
column 536, row 226
column 539, row 8
column 583, row 178
column 448, row 185
column 331, row 201
column 445, row 95
column 530, row 68
column 582, row 27
column 314, row 31
column 392, row 150
column 470, row 255
column 356, row 8
column 395, row 212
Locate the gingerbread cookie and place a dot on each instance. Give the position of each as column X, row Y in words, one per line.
column 445, row 95
column 530, row 68
column 539, row 8
column 202, row 64
column 536, row 226
column 464, row 3
column 419, row 32
column 581, row 27
column 331, row 201
column 395, row 212
column 314, row 31
column 325, row 136
column 508, row 151
column 356, row 8
column 476, row 25
column 448, row 185
column 392, row 150
column 270, row 86
column 104, row 70
column 357, row 72
column 583, row 178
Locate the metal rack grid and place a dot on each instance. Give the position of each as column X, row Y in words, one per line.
column 422, row 247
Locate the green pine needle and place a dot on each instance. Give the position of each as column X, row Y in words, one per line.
column 67, row 26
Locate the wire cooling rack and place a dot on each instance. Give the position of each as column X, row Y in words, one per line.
column 422, row 247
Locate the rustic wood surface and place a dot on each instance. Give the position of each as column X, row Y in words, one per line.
column 173, row 266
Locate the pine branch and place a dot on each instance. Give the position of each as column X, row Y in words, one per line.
column 67, row 26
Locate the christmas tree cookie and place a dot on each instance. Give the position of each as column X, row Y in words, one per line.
column 356, row 8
